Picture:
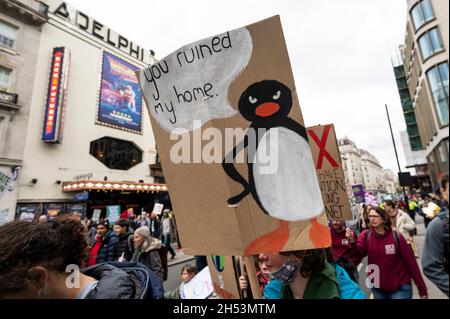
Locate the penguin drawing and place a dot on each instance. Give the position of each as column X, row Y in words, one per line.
column 290, row 191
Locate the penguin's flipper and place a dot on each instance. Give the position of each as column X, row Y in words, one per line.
column 297, row 127
column 232, row 172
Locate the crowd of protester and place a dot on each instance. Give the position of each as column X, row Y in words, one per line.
column 129, row 259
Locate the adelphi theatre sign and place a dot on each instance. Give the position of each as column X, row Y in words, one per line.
column 98, row 30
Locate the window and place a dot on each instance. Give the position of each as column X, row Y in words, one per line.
column 410, row 118
column 438, row 79
column 7, row 35
column 412, row 130
column 5, row 75
column 442, row 153
column 430, row 43
column 416, row 144
column 4, row 120
column 115, row 153
column 421, row 13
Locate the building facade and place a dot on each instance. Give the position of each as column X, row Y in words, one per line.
column 390, row 181
column 372, row 172
column 425, row 62
column 89, row 142
column 362, row 168
column 21, row 22
column 416, row 163
column 351, row 161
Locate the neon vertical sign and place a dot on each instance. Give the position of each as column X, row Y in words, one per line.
column 54, row 108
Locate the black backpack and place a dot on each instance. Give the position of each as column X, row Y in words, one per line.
column 445, row 224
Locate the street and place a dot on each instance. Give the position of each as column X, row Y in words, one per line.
column 175, row 265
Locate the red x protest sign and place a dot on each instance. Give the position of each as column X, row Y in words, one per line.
column 322, row 144
column 325, row 151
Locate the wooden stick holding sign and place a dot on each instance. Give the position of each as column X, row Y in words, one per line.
column 325, row 151
column 243, row 273
column 252, row 277
column 224, row 276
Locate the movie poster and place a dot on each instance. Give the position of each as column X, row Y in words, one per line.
column 120, row 102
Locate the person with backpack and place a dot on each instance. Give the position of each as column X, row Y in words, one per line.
column 403, row 223
column 391, row 258
column 53, row 247
column 147, row 251
column 125, row 245
column 435, row 260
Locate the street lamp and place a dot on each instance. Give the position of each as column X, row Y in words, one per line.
column 396, row 156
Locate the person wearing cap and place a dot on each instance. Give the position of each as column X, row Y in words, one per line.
column 105, row 245
column 147, row 251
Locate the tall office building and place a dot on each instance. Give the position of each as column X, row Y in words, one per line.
column 425, row 62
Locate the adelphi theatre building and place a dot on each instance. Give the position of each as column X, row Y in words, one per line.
column 89, row 144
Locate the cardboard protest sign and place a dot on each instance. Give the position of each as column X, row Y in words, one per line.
column 113, row 213
column 96, row 215
column 325, row 150
column 224, row 276
column 157, row 208
column 359, row 192
column 233, row 145
column 199, row 287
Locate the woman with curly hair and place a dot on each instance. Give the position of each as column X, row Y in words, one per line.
column 41, row 261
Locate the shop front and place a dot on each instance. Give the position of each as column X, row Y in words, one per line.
column 105, row 197
column 99, row 199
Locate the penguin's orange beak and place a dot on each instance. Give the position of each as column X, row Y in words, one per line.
column 267, row 109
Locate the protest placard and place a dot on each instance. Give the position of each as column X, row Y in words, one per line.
column 199, row 287
column 325, row 150
column 217, row 107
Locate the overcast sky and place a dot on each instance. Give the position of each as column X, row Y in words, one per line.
column 340, row 52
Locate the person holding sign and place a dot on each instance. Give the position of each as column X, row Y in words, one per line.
column 342, row 251
column 187, row 273
column 389, row 257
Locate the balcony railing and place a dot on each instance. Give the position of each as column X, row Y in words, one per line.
column 34, row 5
column 35, row 10
column 6, row 97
